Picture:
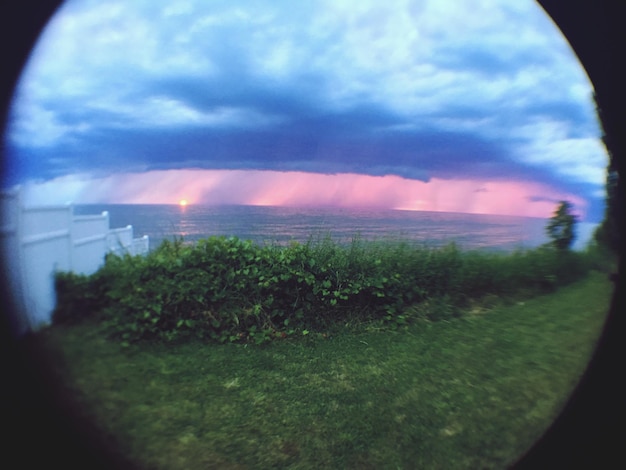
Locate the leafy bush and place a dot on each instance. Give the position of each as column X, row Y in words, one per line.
column 75, row 298
column 226, row 289
column 561, row 228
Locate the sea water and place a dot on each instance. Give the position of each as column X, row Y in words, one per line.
column 281, row 225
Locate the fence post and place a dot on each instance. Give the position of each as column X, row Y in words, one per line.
column 70, row 241
column 12, row 254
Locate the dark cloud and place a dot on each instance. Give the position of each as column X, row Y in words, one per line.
column 361, row 140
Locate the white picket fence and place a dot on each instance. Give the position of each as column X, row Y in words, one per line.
column 38, row 241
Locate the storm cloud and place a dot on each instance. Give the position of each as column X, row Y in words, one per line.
column 421, row 90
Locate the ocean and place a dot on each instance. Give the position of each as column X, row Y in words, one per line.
column 280, row 225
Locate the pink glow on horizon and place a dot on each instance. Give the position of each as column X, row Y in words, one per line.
column 273, row 188
column 393, row 192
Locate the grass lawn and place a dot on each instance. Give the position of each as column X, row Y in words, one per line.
column 475, row 392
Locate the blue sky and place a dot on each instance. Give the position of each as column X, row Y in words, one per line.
column 121, row 99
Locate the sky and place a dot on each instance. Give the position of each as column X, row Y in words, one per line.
column 462, row 106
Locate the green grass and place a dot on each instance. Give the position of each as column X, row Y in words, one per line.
column 473, row 392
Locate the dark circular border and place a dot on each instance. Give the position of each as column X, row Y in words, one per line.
column 40, row 429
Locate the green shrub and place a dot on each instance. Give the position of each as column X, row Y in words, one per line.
column 74, row 298
column 225, row 289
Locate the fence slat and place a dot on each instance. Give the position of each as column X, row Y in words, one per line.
column 86, row 240
column 42, row 237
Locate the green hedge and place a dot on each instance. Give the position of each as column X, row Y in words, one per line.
column 226, row 289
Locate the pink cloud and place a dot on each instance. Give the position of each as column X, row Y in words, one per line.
column 273, row 188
